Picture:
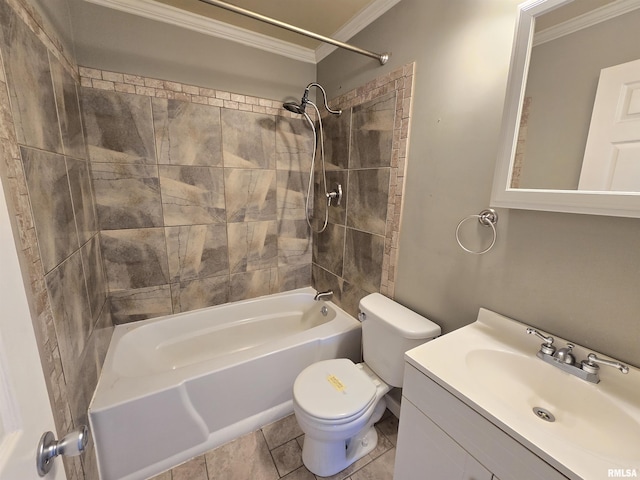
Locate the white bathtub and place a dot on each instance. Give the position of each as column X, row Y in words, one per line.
column 174, row 387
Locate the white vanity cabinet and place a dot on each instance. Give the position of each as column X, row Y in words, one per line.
column 441, row 437
column 426, row 452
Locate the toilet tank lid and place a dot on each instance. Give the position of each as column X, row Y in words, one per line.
column 407, row 322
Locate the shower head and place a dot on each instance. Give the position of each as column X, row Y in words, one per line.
column 298, row 108
column 294, row 107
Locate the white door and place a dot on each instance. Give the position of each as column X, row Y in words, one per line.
column 612, row 155
column 25, row 412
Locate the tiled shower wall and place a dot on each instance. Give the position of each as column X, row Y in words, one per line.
column 199, row 194
column 45, row 171
column 365, row 152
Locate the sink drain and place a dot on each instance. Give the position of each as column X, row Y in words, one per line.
column 544, row 414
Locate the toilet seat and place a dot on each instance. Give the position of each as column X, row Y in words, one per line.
column 335, row 391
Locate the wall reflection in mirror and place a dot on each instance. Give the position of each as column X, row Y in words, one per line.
column 580, row 121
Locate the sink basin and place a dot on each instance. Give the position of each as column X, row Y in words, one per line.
column 591, row 419
column 583, row 427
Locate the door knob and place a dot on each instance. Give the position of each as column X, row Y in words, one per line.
column 72, row 444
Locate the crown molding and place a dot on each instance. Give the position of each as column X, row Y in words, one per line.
column 362, row 19
column 198, row 23
column 586, row 20
column 208, row 26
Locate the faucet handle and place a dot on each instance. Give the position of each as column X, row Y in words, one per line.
column 547, row 347
column 590, row 364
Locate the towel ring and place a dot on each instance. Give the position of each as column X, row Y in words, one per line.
column 487, row 218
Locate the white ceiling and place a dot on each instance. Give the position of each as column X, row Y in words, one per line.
column 338, row 19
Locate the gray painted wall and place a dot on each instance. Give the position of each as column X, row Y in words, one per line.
column 112, row 40
column 576, row 276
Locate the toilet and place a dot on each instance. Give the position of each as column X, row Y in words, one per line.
column 337, row 402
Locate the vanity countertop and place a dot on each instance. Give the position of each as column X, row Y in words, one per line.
column 491, row 365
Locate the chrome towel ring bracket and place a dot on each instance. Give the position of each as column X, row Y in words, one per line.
column 487, row 218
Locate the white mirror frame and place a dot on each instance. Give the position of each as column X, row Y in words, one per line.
column 568, row 201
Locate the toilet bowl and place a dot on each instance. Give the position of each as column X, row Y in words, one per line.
column 337, row 402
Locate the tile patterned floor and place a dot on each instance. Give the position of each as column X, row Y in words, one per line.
column 275, row 452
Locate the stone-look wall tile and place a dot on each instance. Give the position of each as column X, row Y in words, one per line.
column 328, row 248
column 118, row 127
column 68, row 104
column 376, row 137
column 7, row 130
column 337, row 213
column 135, row 258
column 363, row 259
column 337, row 132
column 30, row 87
column 200, row 293
column 294, row 144
column 294, row 243
column 294, row 276
column 197, row 251
column 101, row 337
column 140, row 304
column 82, row 197
column 187, row 133
column 248, row 139
column 350, row 297
column 127, row 196
column 250, row 194
column 252, row 284
column 346, row 295
column 192, row 195
column 372, row 132
column 46, row 116
column 48, row 184
column 253, row 246
column 82, row 382
column 324, row 280
column 291, row 194
column 71, row 311
column 368, row 199
column 96, row 281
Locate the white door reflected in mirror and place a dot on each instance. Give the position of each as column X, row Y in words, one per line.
column 612, row 155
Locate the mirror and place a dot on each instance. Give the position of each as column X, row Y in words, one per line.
column 575, row 68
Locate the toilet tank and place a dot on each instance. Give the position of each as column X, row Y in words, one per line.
column 388, row 330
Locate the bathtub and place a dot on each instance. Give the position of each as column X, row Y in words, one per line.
column 174, row 387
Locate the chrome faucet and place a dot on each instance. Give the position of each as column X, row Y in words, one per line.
column 564, row 359
column 324, row 295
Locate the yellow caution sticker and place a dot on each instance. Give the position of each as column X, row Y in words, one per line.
column 336, row 383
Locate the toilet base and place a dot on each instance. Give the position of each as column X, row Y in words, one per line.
column 324, row 458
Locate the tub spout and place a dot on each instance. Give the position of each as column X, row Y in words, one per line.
column 324, row 295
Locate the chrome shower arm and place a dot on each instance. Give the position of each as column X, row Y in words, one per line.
column 324, row 97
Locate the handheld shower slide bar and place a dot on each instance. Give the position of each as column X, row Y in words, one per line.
column 381, row 57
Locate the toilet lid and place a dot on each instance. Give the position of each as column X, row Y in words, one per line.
column 333, row 389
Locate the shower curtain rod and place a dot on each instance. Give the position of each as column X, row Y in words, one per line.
column 381, row 57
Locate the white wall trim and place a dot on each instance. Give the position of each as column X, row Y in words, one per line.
column 364, row 18
column 198, row 23
column 589, row 19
